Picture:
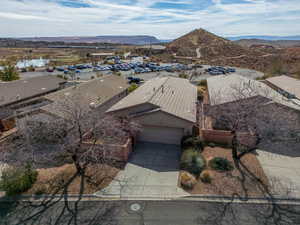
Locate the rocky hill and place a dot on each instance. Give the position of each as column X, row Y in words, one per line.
column 205, row 45
column 209, row 48
column 275, row 43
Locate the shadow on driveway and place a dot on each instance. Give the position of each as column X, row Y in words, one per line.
column 152, row 171
column 155, row 156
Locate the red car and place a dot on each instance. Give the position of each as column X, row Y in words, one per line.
column 50, row 70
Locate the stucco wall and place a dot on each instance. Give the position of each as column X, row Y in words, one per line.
column 225, row 137
column 114, row 151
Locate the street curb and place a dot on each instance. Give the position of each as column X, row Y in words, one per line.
column 200, row 198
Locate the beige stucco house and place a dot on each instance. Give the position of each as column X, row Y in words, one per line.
column 97, row 95
column 165, row 107
column 288, row 86
column 231, row 96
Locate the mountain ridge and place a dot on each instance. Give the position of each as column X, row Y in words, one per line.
column 112, row 39
column 208, row 44
column 266, row 37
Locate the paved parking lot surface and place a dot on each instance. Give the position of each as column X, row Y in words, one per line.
column 152, row 171
column 248, row 73
column 283, row 171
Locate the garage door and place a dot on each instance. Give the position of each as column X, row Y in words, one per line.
column 161, row 135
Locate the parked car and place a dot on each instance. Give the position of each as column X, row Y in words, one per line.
column 60, row 69
column 231, row 70
column 71, row 68
column 50, row 70
column 136, row 80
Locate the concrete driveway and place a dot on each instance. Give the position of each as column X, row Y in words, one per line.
column 152, row 171
column 282, row 169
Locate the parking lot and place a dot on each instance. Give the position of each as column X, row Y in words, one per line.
column 251, row 74
column 141, row 71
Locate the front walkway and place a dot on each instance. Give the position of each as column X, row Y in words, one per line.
column 152, row 171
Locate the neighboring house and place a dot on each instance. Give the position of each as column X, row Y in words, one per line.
column 24, row 96
column 165, row 107
column 14, row 92
column 102, row 55
column 288, row 86
column 231, row 93
column 98, row 94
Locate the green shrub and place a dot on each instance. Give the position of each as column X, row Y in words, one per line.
column 40, row 191
column 183, row 75
column 202, row 83
column 9, row 73
column 198, row 143
column 184, row 138
column 17, row 180
column 132, row 87
column 192, row 142
column 200, row 95
column 205, row 177
column 187, row 180
column 220, row 164
column 211, row 144
column 192, row 161
column 31, row 69
column 188, row 142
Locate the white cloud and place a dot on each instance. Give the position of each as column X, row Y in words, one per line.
column 45, row 18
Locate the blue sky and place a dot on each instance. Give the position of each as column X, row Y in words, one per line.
column 165, row 19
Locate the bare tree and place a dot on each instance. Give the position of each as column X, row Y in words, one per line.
column 254, row 109
column 79, row 137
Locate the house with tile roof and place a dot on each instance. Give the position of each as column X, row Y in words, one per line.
column 235, row 95
column 165, row 107
column 98, row 94
column 286, row 85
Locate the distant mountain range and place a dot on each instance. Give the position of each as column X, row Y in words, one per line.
column 142, row 39
column 274, row 43
column 132, row 40
column 268, row 38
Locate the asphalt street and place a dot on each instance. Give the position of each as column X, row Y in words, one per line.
column 172, row 212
